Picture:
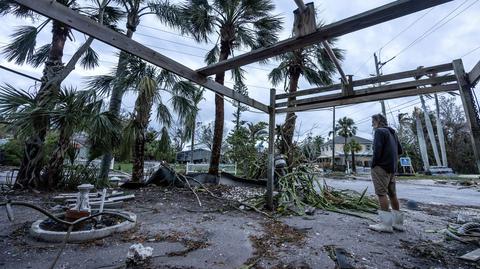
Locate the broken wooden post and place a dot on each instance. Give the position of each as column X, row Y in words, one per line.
column 271, row 150
column 421, row 141
column 469, row 107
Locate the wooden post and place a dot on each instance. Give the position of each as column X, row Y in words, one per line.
column 471, row 113
column 377, row 69
column 271, row 150
column 333, row 141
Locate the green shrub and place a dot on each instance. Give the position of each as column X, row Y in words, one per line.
column 12, row 151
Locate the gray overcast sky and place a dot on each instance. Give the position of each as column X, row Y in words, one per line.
column 442, row 34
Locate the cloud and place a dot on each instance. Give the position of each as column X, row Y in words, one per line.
column 451, row 41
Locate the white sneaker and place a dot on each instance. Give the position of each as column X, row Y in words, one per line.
column 398, row 221
column 386, row 221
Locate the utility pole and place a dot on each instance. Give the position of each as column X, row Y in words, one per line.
column 333, row 140
column 377, row 68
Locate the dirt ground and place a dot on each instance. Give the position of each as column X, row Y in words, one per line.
column 218, row 235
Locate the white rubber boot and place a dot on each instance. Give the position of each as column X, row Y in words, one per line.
column 398, row 220
column 385, row 224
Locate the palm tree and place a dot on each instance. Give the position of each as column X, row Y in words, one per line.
column 151, row 84
column 23, row 50
column 74, row 111
column 314, row 64
column 236, row 23
column 346, row 128
column 354, row 147
column 135, row 10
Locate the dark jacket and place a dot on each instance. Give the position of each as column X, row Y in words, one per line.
column 386, row 149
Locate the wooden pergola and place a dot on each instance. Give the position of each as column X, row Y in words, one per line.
column 347, row 92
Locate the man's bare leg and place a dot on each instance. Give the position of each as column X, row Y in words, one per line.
column 394, row 202
column 383, row 201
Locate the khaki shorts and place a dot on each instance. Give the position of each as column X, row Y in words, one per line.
column 383, row 182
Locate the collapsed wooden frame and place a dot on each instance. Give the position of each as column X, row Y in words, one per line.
column 464, row 81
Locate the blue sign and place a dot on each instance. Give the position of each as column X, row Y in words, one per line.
column 405, row 161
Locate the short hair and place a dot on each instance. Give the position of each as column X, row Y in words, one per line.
column 381, row 119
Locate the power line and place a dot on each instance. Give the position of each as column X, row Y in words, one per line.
column 436, row 26
column 470, row 52
column 20, row 73
column 395, row 37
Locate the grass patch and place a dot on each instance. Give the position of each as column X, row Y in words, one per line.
column 124, row 167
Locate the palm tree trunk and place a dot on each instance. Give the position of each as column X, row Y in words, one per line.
column 354, row 166
column 290, row 119
column 219, row 115
column 143, row 106
column 193, row 141
column 431, row 134
column 421, row 142
column 116, row 99
column 54, row 172
column 32, row 162
column 441, row 137
column 345, row 152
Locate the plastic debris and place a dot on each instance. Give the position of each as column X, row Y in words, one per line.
column 138, row 254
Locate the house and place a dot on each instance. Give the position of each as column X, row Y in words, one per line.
column 199, row 156
column 362, row 158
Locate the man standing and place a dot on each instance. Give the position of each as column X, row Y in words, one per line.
column 386, row 149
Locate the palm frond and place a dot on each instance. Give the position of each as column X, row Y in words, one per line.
column 11, row 7
column 23, row 46
column 197, row 20
column 89, row 59
column 277, row 75
column 13, row 100
column 40, row 56
column 167, row 13
column 101, row 84
column 163, row 114
column 212, row 55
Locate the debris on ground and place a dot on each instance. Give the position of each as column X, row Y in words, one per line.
column 472, row 256
column 301, row 190
column 425, row 249
column 138, row 254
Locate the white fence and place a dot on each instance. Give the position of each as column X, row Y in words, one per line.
column 203, row 168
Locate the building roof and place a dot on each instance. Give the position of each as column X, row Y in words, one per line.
column 341, row 140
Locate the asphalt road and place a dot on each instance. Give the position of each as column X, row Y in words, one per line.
column 424, row 191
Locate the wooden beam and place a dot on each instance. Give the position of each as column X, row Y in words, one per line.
column 383, row 88
column 63, row 14
column 474, row 75
column 271, row 150
column 405, row 74
column 370, row 97
column 469, row 107
column 328, row 88
column 363, row 20
column 373, row 80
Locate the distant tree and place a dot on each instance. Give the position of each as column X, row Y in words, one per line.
column 346, row 128
column 234, row 24
column 354, row 147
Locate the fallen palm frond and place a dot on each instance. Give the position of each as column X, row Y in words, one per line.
column 301, row 190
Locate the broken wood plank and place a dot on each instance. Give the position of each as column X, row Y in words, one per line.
column 363, row 20
column 405, row 74
column 84, row 24
column 121, row 198
column 472, row 256
column 333, row 87
column 474, row 75
column 365, row 91
column 356, row 99
column 373, row 80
